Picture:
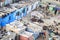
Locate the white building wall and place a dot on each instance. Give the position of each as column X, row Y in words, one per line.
column 58, row 2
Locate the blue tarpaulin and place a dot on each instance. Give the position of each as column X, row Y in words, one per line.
column 0, row 21
column 12, row 16
column 4, row 21
column 24, row 11
column 19, row 14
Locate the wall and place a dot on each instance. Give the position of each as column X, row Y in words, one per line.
column 57, row 2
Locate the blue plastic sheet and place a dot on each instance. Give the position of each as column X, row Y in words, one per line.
column 4, row 21
column 12, row 16
column 0, row 21
column 24, row 11
column 19, row 14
